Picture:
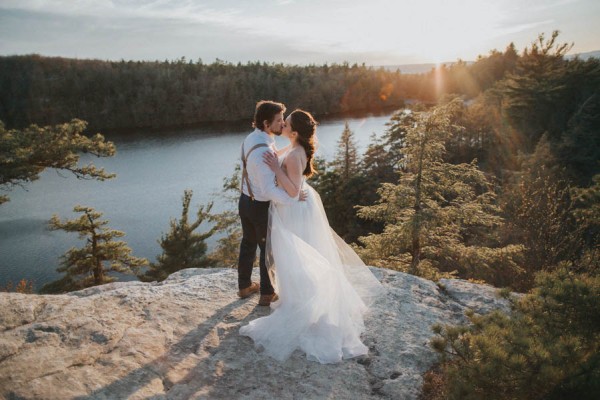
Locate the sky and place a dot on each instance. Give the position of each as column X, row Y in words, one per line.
column 374, row 32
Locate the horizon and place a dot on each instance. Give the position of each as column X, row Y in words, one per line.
column 294, row 32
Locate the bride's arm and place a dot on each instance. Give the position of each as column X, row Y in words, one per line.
column 291, row 181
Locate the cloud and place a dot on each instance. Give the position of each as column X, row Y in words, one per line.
column 289, row 31
column 144, row 9
column 510, row 29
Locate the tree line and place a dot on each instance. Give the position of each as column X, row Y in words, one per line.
column 162, row 94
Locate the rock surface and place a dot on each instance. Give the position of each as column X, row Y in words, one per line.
column 178, row 339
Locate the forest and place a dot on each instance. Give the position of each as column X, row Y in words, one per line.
column 502, row 188
column 491, row 174
column 122, row 95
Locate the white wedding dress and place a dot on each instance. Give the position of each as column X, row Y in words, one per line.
column 324, row 288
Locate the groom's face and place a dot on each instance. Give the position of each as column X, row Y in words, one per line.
column 277, row 124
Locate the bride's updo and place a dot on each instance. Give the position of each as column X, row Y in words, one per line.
column 306, row 126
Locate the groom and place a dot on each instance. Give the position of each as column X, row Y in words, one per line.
column 258, row 189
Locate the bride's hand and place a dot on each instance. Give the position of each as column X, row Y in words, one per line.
column 271, row 160
column 303, row 195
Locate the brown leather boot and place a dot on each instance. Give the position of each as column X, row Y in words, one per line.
column 253, row 288
column 267, row 299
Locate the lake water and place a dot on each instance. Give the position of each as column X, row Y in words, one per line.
column 152, row 171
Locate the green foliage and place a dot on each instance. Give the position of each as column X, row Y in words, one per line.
column 486, row 71
column 347, row 181
column 157, row 94
column 343, row 183
column 182, row 246
column 538, row 209
column 227, row 223
column 88, row 266
column 579, row 147
column 586, row 211
column 24, row 286
column 437, row 217
column 548, row 348
column 346, row 159
column 47, row 90
column 549, row 95
column 24, row 154
column 536, row 94
column 380, row 160
column 340, row 196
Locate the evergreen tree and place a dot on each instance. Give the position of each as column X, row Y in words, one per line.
column 394, row 138
column 24, row 286
column 539, row 215
column 438, row 216
column 547, row 348
column 182, row 246
column 90, row 265
column 376, row 162
column 346, row 160
column 228, row 224
column 24, row 154
column 536, row 95
column 586, row 211
column 579, row 148
column 342, row 184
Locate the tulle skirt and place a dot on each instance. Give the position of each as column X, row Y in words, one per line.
column 324, row 288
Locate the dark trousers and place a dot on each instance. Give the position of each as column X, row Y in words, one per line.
column 255, row 219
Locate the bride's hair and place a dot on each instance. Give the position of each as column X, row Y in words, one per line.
column 304, row 123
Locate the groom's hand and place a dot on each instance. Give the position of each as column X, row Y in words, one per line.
column 303, row 195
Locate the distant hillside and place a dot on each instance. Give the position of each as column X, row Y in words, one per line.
column 426, row 67
column 418, row 68
column 586, row 55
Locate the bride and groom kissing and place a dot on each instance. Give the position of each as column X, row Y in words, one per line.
column 316, row 285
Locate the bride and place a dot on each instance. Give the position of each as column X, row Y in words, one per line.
column 324, row 288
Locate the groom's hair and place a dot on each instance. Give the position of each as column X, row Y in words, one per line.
column 266, row 110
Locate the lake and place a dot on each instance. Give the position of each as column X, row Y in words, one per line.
column 153, row 170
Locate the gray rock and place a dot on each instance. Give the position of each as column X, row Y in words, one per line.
column 178, row 339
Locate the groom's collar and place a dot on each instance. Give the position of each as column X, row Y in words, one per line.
column 269, row 138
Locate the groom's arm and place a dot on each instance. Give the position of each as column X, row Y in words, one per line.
column 266, row 180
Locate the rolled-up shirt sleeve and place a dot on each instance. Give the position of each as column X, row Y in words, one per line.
column 264, row 178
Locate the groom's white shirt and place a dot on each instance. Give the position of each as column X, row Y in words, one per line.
column 262, row 179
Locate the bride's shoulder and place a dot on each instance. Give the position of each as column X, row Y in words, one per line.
column 298, row 152
column 296, row 156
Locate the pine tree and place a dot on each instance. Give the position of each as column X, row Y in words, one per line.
column 24, row 286
column 24, row 154
column 182, row 246
column 89, row 265
column 536, row 96
column 228, row 223
column 586, row 211
column 539, row 215
column 579, row 149
column 346, row 159
column 341, row 185
column 377, row 163
column 547, row 348
column 438, row 216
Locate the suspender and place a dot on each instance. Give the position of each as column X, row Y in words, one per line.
column 244, row 171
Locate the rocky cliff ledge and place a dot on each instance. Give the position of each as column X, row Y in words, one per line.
column 178, row 339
